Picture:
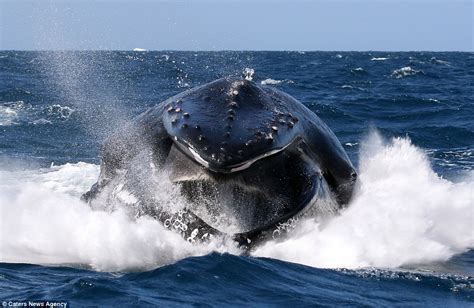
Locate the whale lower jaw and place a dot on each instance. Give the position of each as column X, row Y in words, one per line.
column 276, row 188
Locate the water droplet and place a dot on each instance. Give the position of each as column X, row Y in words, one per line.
column 178, row 109
column 274, row 128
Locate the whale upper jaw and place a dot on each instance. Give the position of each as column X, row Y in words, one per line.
column 219, row 166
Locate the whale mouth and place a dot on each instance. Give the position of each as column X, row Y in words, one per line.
column 275, row 188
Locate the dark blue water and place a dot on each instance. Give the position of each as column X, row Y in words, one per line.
column 57, row 107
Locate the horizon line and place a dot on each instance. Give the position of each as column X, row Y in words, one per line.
column 229, row 50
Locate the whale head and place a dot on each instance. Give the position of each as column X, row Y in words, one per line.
column 238, row 154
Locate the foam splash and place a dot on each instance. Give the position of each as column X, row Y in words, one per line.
column 10, row 112
column 402, row 214
column 44, row 222
column 270, row 81
column 405, row 72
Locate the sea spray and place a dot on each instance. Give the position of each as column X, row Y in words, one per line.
column 403, row 213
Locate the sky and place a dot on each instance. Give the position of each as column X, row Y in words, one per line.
column 385, row 25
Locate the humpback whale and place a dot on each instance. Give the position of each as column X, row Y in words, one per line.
column 249, row 159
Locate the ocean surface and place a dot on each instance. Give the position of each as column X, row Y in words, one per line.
column 406, row 120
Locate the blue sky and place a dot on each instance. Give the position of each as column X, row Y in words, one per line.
column 238, row 25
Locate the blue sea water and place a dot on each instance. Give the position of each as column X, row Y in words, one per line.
column 406, row 120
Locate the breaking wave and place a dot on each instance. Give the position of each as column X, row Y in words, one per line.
column 405, row 72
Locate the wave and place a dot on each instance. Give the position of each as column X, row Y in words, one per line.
column 378, row 59
column 270, row 81
column 405, row 72
column 19, row 112
column 346, row 86
column 358, row 70
column 11, row 112
column 436, row 61
column 403, row 213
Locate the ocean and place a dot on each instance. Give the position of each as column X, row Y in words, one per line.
column 406, row 119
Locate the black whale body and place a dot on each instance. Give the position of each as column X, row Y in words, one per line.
column 250, row 159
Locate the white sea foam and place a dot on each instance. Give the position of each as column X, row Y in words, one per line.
column 248, row 73
column 404, row 72
column 44, row 222
column 358, row 70
column 378, row 59
column 402, row 213
column 10, row 112
column 56, row 110
column 139, row 49
column 271, row 81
